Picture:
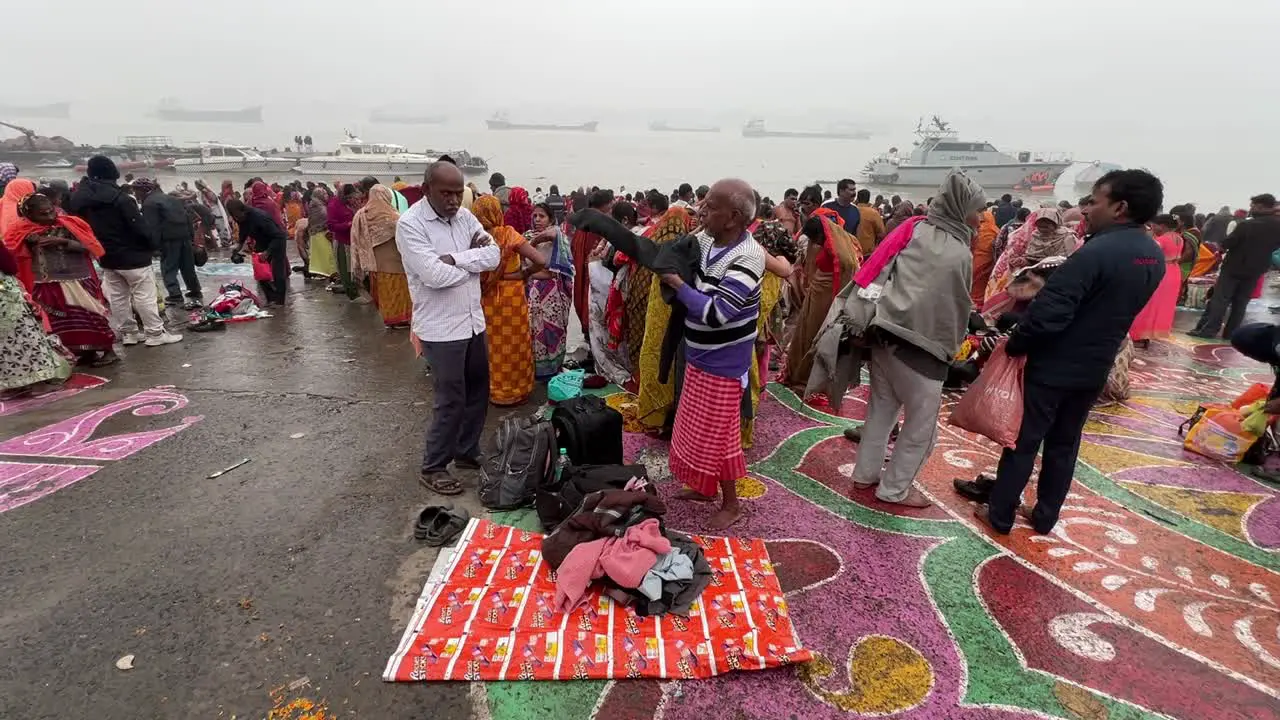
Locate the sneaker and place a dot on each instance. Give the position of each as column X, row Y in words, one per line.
column 130, row 339
column 164, row 338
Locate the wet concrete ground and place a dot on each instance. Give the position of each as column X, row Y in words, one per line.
column 300, row 564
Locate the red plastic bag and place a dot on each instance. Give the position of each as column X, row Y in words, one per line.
column 261, row 268
column 992, row 406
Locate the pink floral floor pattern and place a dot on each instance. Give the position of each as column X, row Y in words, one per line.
column 1156, row 595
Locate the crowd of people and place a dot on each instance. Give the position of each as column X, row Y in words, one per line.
column 692, row 299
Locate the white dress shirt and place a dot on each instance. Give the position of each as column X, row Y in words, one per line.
column 446, row 298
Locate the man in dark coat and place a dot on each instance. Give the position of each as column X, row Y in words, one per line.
column 1070, row 336
column 1249, row 248
column 167, row 218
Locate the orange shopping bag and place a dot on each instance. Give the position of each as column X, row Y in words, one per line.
column 1218, row 434
column 992, row 406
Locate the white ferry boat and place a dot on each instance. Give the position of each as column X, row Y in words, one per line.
column 356, row 157
column 940, row 150
column 223, row 158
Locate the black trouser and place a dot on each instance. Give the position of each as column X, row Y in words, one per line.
column 1261, row 342
column 1231, row 291
column 1056, row 417
column 177, row 256
column 461, row 372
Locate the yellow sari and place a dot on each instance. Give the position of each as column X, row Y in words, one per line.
column 655, row 397
column 506, row 312
column 770, row 294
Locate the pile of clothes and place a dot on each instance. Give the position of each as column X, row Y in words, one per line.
column 617, row 537
column 234, row 303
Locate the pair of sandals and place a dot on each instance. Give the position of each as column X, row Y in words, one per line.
column 438, row 525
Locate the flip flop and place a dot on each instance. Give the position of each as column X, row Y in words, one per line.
column 440, row 482
column 427, row 520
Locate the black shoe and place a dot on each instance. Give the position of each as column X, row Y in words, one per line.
column 176, row 300
column 1202, row 335
column 977, row 489
column 193, row 304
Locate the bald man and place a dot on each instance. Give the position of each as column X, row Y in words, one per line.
column 444, row 250
column 723, row 303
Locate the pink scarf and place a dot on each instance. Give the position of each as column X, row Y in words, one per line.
column 886, row 251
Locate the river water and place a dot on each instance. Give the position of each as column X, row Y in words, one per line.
column 624, row 153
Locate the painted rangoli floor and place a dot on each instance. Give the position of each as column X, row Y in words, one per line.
column 1156, row 595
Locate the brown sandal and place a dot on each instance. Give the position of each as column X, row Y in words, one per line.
column 440, row 482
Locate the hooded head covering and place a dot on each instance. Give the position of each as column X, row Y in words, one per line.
column 488, row 210
column 101, row 167
column 957, row 198
column 519, row 210
column 1040, row 244
column 144, row 186
column 373, row 225
column 14, row 193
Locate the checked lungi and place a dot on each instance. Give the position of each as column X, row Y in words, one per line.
column 706, row 444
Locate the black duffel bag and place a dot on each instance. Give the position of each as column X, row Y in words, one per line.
column 555, row 502
column 589, row 430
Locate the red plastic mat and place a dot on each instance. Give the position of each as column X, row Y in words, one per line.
column 486, row 613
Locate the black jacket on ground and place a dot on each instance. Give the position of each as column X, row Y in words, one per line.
column 167, row 217
column 1250, row 245
column 116, row 222
column 1073, row 328
column 268, row 237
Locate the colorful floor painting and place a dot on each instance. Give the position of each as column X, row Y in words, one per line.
column 32, row 465
column 489, row 614
column 77, row 383
column 1155, row 597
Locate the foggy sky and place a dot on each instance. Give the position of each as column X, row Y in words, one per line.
column 1121, row 80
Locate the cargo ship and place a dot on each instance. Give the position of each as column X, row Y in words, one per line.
column 500, row 122
column 59, row 110
column 170, row 110
column 756, row 129
column 660, row 126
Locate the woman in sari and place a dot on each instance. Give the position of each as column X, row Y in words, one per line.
column 550, row 292
column 519, row 210
column 506, row 308
column 321, row 262
column 1043, row 236
column 54, row 254
column 263, row 197
column 647, row 316
column 1156, row 318
column 374, row 251
column 837, row 256
column 29, row 354
column 901, row 211
column 983, row 256
column 293, row 210
column 14, row 193
column 780, row 253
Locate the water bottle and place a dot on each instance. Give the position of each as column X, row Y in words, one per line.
column 561, row 463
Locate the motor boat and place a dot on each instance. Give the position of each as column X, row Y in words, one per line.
column 356, row 157
column 223, row 158
column 939, row 149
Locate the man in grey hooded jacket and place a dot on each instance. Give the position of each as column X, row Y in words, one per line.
column 921, row 316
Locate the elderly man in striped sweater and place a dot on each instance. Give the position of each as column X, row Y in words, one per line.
column 723, row 303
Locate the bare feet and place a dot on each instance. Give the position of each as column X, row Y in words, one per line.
column 983, row 513
column 915, row 499
column 725, row 517
column 695, row 496
column 863, row 484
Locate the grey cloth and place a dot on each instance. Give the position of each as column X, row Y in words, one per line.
column 837, row 364
column 678, row 595
column 674, row 565
column 895, row 386
column 926, row 299
column 461, row 372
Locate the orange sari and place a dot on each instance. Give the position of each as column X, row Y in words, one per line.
column 506, row 312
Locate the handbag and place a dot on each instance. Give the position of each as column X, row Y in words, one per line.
column 262, row 268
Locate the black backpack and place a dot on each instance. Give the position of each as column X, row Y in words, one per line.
column 521, row 461
column 589, row 430
column 557, row 501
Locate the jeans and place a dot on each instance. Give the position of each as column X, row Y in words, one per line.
column 130, row 290
column 178, row 257
column 1056, row 417
column 1230, row 291
column 461, row 372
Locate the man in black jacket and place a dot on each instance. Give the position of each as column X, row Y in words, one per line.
column 1070, row 335
column 167, row 217
column 270, row 241
column 129, row 246
column 1249, row 249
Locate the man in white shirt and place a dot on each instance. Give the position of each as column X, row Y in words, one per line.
column 444, row 249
